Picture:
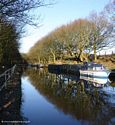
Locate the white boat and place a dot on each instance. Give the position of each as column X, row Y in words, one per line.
column 94, row 72
column 95, row 80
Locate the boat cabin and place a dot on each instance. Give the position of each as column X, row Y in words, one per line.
column 93, row 66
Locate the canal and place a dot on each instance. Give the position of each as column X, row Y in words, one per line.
column 51, row 99
column 44, row 98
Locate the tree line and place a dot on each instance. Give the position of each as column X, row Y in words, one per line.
column 14, row 16
column 77, row 39
column 9, row 54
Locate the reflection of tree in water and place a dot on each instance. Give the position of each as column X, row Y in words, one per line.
column 10, row 102
column 83, row 102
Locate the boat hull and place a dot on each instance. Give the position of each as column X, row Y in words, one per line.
column 100, row 77
column 93, row 73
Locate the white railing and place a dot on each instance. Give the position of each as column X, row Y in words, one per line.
column 6, row 76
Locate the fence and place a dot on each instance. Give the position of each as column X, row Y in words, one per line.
column 6, row 76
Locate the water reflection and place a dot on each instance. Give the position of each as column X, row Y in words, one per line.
column 10, row 103
column 84, row 102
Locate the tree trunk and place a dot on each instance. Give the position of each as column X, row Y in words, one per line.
column 80, row 54
column 54, row 58
column 39, row 60
column 95, row 55
column 53, row 54
column 79, row 58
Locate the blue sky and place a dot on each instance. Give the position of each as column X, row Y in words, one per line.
column 63, row 12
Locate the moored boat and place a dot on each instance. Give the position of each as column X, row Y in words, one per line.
column 94, row 72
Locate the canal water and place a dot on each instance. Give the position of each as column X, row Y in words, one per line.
column 59, row 99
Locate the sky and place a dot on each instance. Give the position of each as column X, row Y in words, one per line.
column 52, row 17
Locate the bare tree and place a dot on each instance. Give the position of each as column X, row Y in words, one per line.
column 109, row 10
column 14, row 15
column 18, row 11
column 102, row 32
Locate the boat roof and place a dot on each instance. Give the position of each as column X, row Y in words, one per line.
column 92, row 64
